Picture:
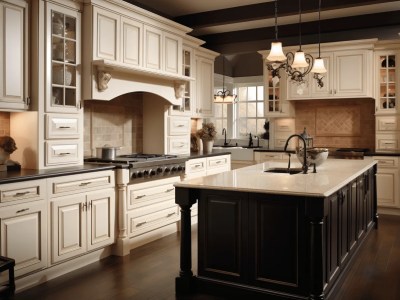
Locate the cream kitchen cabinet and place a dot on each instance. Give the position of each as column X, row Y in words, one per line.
column 260, row 157
column 387, row 130
column 203, row 166
column 275, row 93
column 349, row 76
column 82, row 213
column 204, row 84
column 178, row 140
column 23, row 225
column 14, row 59
column 151, row 205
column 387, row 181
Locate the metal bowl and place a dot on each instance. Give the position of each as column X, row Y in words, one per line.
column 314, row 155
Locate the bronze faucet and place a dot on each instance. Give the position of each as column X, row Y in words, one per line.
column 305, row 166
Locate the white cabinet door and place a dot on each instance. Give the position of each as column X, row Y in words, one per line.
column 132, row 41
column 24, row 235
column 326, row 90
column 68, row 222
column 351, row 72
column 387, row 187
column 152, row 48
column 204, row 87
column 106, row 26
column 172, row 53
column 101, row 218
column 13, row 59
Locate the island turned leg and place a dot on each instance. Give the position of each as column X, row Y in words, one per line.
column 185, row 282
column 316, row 259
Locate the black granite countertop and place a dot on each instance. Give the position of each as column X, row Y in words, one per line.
column 200, row 154
column 28, row 174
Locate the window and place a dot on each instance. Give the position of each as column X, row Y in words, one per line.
column 250, row 110
column 220, row 116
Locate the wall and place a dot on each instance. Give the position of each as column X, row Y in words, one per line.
column 338, row 123
column 118, row 122
column 4, row 123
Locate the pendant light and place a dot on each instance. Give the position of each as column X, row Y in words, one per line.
column 224, row 96
column 319, row 67
column 301, row 62
column 276, row 54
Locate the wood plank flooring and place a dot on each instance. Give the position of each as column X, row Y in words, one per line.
column 149, row 272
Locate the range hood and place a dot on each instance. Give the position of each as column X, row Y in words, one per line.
column 111, row 79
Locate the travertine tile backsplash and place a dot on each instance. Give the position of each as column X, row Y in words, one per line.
column 338, row 123
column 118, row 122
column 4, row 123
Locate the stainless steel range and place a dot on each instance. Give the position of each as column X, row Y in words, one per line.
column 144, row 167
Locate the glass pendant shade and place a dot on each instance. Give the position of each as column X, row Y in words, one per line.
column 319, row 66
column 224, row 97
column 299, row 60
column 276, row 53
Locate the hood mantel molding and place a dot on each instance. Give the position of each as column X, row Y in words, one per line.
column 114, row 79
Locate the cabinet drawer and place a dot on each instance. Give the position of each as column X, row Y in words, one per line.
column 82, row 182
column 62, row 126
column 59, row 153
column 218, row 162
column 142, row 224
column 387, row 142
column 22, row 191
column 387, row 161
column 284, row 125
column 143, row 197
column 195, row 165
column 178, row 125
column 267, row 156
column 387, row 123
column 179, row 145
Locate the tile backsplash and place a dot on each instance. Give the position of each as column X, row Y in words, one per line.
column 4, row 123
column 338, row 123
column 118, row 122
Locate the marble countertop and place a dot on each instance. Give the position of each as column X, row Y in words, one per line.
column 332, row 175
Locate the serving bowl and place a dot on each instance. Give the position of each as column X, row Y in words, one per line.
column 314, row 155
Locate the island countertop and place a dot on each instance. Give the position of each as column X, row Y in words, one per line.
column 330, row 177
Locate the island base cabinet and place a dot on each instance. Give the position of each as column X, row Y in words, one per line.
column 282, row 245
column 23, row 236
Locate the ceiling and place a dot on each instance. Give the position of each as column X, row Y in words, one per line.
column 243, row 26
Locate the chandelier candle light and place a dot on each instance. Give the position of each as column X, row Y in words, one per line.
column 296, row 65
column 224, row 96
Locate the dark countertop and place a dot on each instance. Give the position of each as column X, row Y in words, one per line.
column 28, row 174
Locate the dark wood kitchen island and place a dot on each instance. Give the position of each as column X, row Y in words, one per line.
column 274, row 235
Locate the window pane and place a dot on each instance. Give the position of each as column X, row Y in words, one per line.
column 243, row 94
column 260, row 92
column 242, row 127
column 260, row 127
column 218, row 126
column 251, row 126
column 252, row 93
column 260, row 109
column 251, row 110
column 242, row 110
column 224, row 110
column 225, row 123
column 218, row 110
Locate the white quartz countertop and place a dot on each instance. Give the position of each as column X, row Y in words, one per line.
column 332, row 175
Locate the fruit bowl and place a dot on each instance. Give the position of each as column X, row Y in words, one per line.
column 314, row 155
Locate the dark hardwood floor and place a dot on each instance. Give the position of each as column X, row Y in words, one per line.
column 149, row 272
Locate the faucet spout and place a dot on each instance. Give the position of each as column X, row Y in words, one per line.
column 224, row 133
column 305, row 165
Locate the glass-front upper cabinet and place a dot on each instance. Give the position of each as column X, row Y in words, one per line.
column 187, row 70
column 387, row 82
column 64, row 43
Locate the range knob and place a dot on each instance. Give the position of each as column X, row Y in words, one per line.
column 167, row 170
column 174, row 169
column 180, row 168
column 134, row 175
column 139, row 174
column 152, row 172
column 146, row 172
column 159, row 170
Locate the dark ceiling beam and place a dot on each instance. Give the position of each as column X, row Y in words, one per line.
column 308, row 28
column 265, row 11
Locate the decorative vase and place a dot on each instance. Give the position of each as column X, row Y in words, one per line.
column 207, row 145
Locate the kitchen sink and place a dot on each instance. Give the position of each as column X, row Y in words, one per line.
column 284, row 170
column 227, row 146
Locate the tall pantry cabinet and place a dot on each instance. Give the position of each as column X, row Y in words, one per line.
column 52, row 134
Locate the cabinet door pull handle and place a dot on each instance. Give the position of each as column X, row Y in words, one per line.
column 64, row 153
column 22, row 210
column 197, row 166
column 140, row 196
column 64, row 127
column 140, row 224
column 170, row 214
column 85, row 183
column 180, row 125
column 169, row 190
column 19, row 194
column 218, row 162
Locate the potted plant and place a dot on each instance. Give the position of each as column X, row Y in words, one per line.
column 207, row 135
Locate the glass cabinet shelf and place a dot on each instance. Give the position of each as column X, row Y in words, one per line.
column 387, row 82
